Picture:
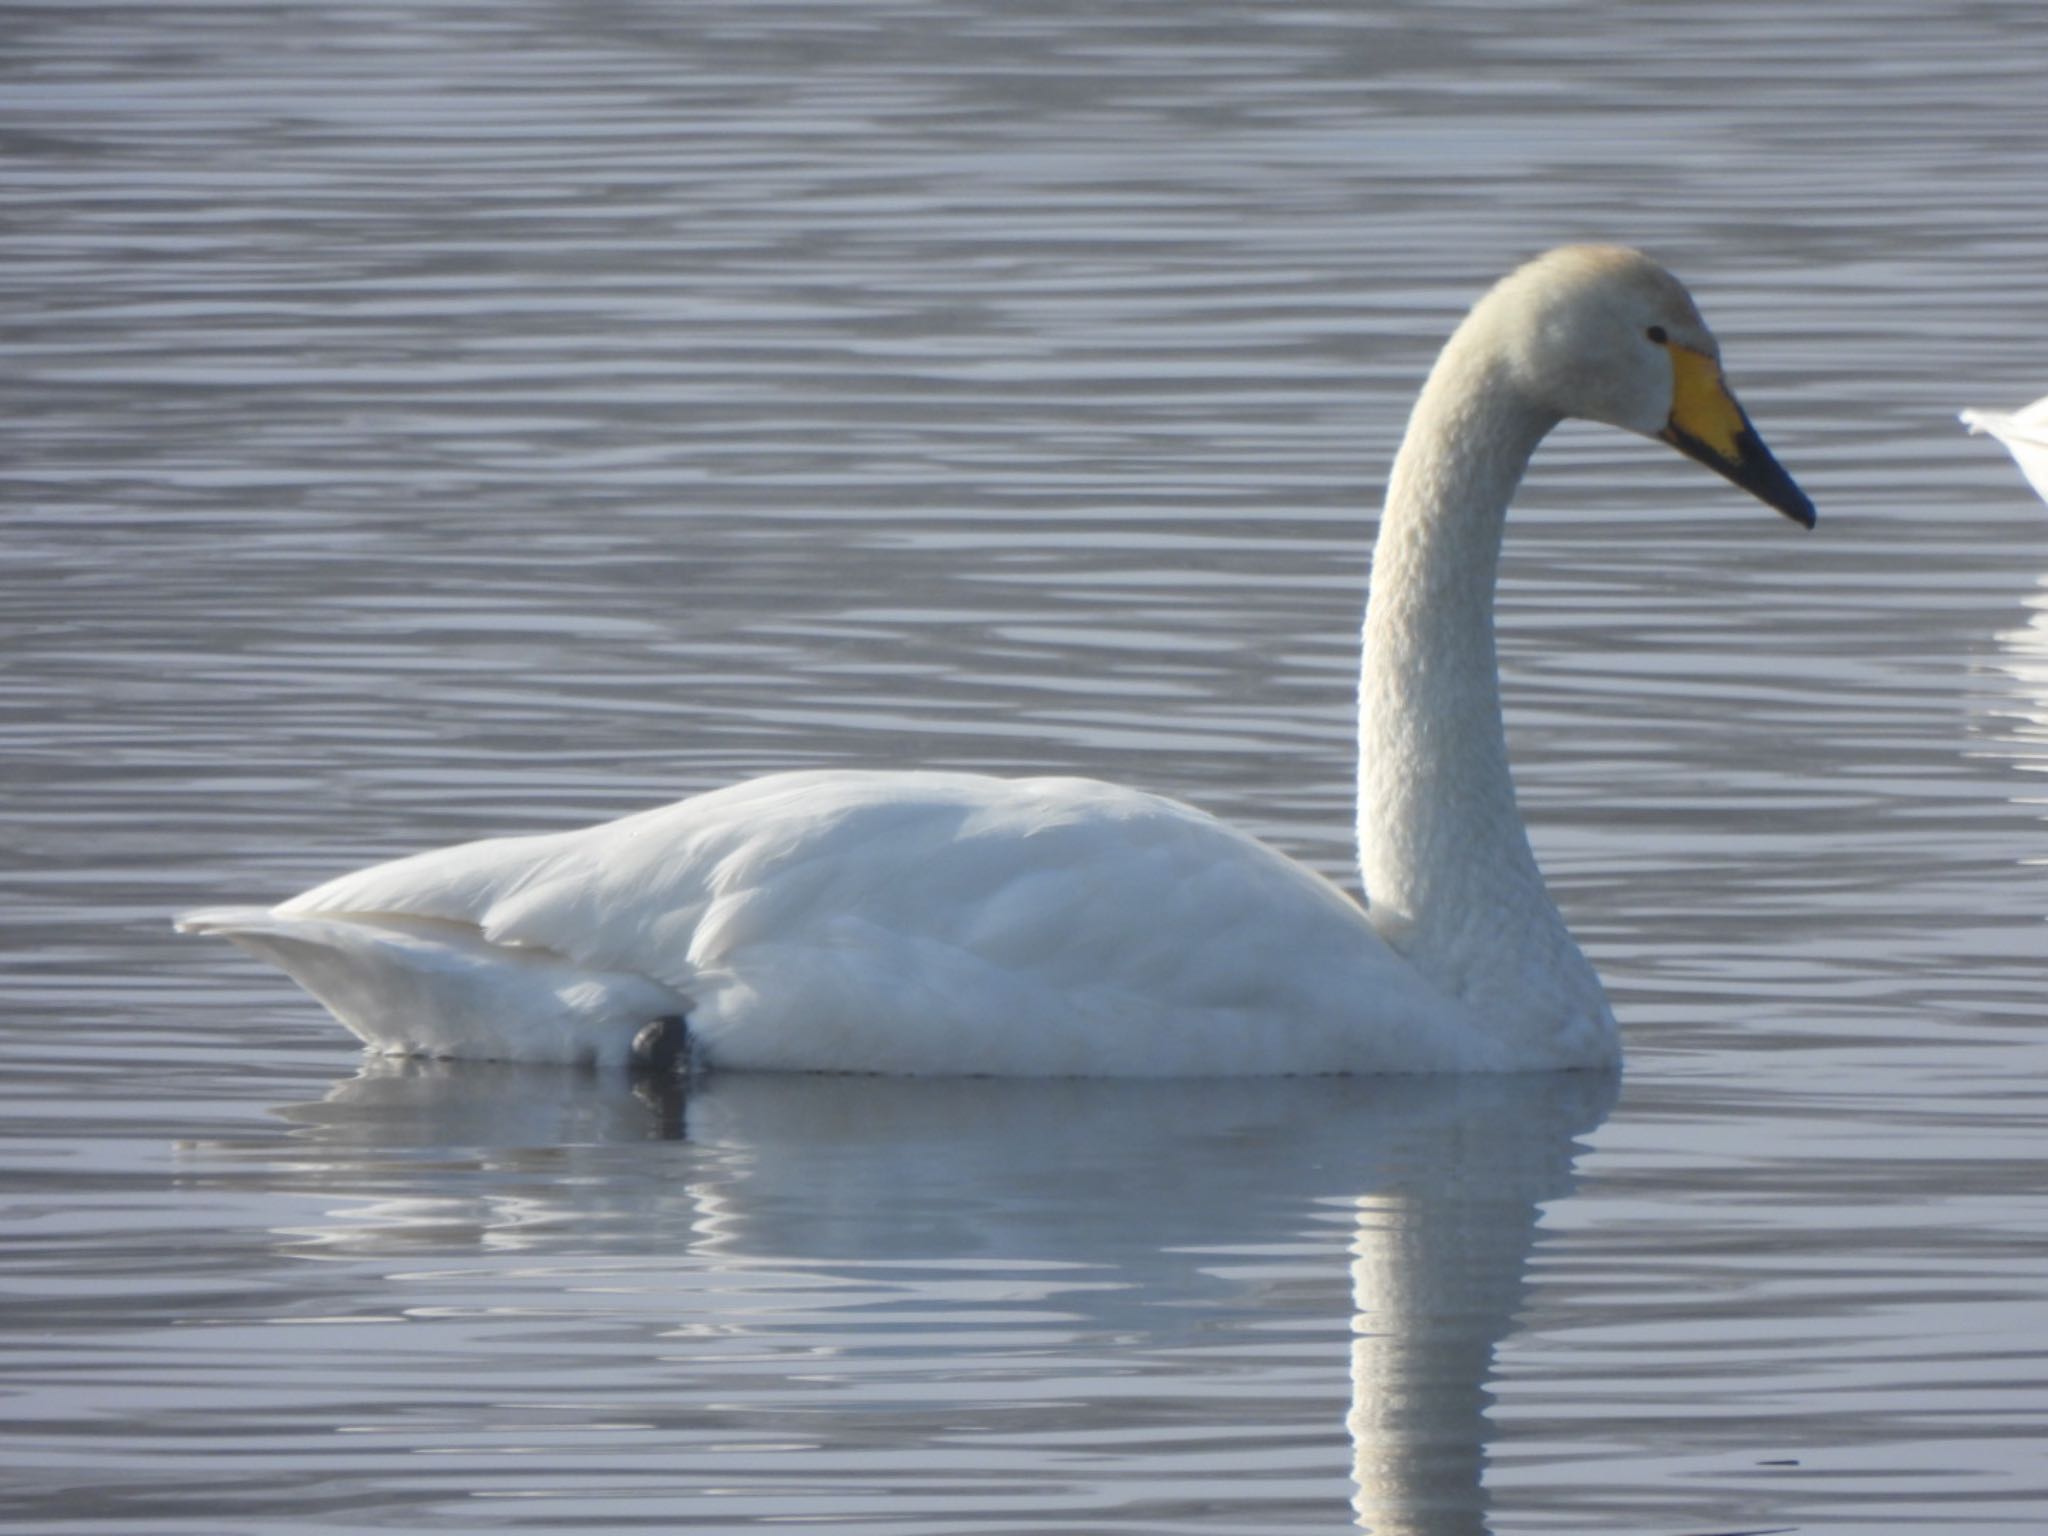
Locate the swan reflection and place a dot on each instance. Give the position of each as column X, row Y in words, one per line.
column 1110, row 1206
column 2016, row 719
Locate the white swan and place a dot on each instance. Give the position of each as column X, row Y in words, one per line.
column 950, row 923
column 2024, row 433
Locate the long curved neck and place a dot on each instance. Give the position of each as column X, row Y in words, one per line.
column 1446, row 864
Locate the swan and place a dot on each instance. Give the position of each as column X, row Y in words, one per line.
column 952, row 924
column 2024, row 433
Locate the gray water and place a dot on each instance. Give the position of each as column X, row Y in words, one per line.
column 431, row 420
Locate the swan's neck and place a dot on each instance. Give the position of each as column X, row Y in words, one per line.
column 1445, row 860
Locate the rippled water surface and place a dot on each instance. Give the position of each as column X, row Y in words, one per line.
column 430, row 420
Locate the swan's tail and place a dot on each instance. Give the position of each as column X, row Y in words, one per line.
column 2025, row 435
column 410, row 986
column 2028, row 426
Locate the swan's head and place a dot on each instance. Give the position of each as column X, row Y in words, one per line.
column 1604, row 333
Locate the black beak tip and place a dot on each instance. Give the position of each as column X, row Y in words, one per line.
column 1795, row 505
column 1765, row 478
column 1752, row 468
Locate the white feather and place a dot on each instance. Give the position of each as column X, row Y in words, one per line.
column 2025, row 435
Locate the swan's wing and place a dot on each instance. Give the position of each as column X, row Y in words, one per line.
column 1046, row 927
column 946, row 923
column 1043, row 927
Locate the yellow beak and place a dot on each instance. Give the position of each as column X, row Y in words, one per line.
column 1707, row 424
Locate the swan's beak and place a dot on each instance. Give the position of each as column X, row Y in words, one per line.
column 1707, row 424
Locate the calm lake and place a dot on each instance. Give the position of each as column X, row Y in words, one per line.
column 431, row 420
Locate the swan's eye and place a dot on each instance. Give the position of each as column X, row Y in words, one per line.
column 1658, row 334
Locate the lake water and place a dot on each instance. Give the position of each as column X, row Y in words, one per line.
column 438, row 419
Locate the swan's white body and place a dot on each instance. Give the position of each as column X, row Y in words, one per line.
column 901, row 922
column 953, row 923
column 2025, row 435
